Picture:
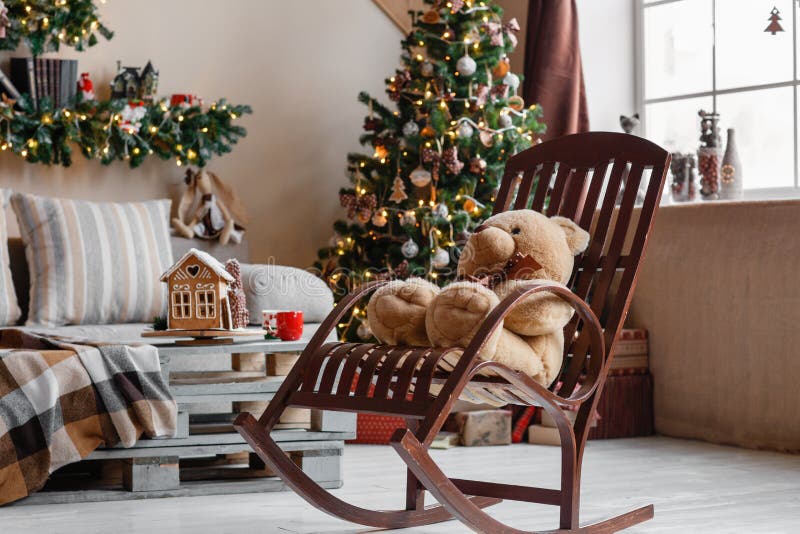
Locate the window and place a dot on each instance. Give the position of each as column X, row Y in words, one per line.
column 206, row 303
column 715, row 55
column 181, row 305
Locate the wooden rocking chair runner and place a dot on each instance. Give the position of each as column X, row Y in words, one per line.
column 581, row 177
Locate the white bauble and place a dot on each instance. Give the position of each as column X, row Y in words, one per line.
column 512, row 81
column 364, row 331
column 440, row 210
column 465, row 131
column 420, row 177
column 409, row 249
column 427, row 69
column 410, row 128
column 505, row 120
column 441, row 259
column 466, row 66
column 409, row 218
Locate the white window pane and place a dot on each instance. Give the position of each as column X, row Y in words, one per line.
column 678, row 43
column 764, row 123
column 675, row 125
column 746, row 55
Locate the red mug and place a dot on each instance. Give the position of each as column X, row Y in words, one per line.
column 289, row 325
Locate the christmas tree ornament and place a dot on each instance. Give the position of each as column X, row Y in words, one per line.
column 516, row 103
column 512, row 81
column 774, row 26
column 420, row 177
column 410, row 128
column 381, row 152
column 510, row 28
column 501, row 69
column 379, row 218
column 408, row 218
column 372, row 124
column 486, row 137
column 357, row 205
column 499, row 92
column 410, row 249
column 440, row 259
column 363, row 331
column 477, row 165
column 427, row 69
column 505, row 120
column 448, row 157
column 441, row 210
column 465, row 131
column 427, row 131
column 398, row 190
column 431, row 17
column 470, row 205
column 466, row 65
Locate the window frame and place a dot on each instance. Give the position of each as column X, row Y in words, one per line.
column 207, row 304
column 641, row 102
column 183, row 305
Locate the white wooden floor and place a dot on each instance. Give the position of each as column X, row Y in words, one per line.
column 696, row 487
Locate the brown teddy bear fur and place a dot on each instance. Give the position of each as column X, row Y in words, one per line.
column 531, row 338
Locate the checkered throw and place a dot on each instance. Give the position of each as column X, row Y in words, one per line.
column 61, row 398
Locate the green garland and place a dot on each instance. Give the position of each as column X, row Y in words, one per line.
column 190, row 136
column 46, row 25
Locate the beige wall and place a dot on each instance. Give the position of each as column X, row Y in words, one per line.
column 300, row 65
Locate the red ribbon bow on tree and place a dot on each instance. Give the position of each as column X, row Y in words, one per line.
column 500, row 91
column 448, row 157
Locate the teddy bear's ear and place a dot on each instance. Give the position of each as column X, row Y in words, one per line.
column 577, row 237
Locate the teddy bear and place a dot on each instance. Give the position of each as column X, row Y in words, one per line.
column 508, row 249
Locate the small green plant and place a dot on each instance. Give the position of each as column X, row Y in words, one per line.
column 160, row 323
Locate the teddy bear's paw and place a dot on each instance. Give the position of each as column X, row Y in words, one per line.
column 397, row 310
column 457, row 312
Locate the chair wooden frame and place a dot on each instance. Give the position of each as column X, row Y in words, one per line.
column 553, row 177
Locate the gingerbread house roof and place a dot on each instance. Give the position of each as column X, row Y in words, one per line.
column 203, row 257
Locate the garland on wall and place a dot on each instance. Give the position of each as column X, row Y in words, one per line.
column 118, row 129
column 47, row 25
column 114, row 130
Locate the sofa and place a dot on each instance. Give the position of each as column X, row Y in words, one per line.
column 315, row 304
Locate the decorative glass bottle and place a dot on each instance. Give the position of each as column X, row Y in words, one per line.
column 684, row 175
column 709, row 155
column 731, row 170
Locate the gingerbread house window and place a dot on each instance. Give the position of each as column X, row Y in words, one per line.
column 181, row 304
column 206, row 303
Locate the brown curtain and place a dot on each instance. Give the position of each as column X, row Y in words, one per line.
column 553, row 69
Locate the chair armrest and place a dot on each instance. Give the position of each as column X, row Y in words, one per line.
column 333, row 318
column 492, row 321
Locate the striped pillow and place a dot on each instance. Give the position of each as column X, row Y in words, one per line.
column 94, row 262
column 9, row 307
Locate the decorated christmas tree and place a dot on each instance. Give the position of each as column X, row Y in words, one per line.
column 437, row 153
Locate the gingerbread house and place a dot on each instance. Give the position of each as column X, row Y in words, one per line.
column 198, row 293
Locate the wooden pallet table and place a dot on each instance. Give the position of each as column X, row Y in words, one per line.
column 207, row 456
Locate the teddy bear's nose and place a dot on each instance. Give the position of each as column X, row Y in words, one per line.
column 480, row 229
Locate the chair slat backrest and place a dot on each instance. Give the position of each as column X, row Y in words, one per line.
column 594, row 179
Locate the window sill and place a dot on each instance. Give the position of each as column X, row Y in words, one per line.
column 748, row 195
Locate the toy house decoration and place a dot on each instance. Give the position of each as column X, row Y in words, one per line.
column 130, row 84
column 148, row 83
column 198, row 293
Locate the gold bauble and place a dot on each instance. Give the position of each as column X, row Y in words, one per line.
column 501, row 69
column 431, row 17
column 427, row 131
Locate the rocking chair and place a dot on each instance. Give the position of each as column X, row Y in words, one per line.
column 591, row 178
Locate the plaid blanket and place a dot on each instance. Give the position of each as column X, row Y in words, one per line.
column 61, row 398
